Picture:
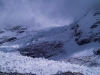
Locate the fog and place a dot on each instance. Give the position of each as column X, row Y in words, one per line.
column 39, row 14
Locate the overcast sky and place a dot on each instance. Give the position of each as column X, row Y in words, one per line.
column 39, row 14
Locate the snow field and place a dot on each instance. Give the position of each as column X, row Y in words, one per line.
column 14, row 62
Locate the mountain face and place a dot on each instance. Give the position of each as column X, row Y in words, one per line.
column 87, row 29
column 79, row 35
column 11, row 34
column 58, row 42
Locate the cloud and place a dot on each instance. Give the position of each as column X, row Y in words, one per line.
column 39, row 14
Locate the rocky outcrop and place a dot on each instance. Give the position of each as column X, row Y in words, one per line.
column 65, row 73
column 81, row 60
column 96, row 51
column 18, row 29
column 1, row 31
column 7, row 39
column 84, row 37
column 4, row 73
column 95, row 25
column 70, row 73
column 44, row 49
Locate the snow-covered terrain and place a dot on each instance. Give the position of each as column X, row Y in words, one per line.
column 45, row 52
column 14, row 62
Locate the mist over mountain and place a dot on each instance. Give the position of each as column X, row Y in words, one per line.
column 40, row 14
